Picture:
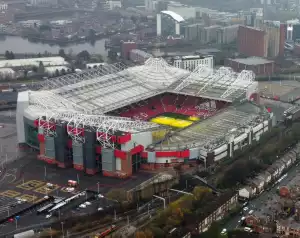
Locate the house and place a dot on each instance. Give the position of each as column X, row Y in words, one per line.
column 287, row 160
column 274, row 171
column 245, row 192
column 216, row 212
column 288, row 228
column 265, row 176
column 258, row 183
column 280, row 165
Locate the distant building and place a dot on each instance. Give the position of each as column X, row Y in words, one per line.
column 114, row 4
column 47, row 61
column 126, row 48
column 168, row 23
column 209, row 34
column 139, row 56
column 192, row 31
column 259, row 66
column 227, row 35
column 7, row 73
column 252, row 42
column 192, row 61
column 30, row 23
column 183, row 10
column 42, row 2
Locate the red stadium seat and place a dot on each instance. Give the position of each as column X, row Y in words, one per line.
column 186, row 105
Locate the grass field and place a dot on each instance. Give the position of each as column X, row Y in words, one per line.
column 174, row 120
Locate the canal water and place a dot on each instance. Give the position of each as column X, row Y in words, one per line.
column 20, row 45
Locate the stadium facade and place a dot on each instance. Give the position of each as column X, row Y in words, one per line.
column 115, row 120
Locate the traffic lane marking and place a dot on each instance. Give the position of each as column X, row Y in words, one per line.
column 31, row 184
column 46, row 190
column 29, row 198
column 10, row 193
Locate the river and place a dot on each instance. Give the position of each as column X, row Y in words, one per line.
column 19, row 45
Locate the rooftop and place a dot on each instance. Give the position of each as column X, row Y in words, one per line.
column 252, row 61
column 214, row 131
column 89, row 95
column 174, row 15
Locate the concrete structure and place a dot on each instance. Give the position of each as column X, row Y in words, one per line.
column 98, row 120
column 190, row 62
column 47, row 61
column 209, row 34
column 227, row 35
column 258, row 65
column 273, row 32
column 30, row 23
column 126, row 48
column 183, row 10
column 139, row 56
column 175, row 19
column 252, row 42
column 42, row 2
column 114, row 4
column 192, row 32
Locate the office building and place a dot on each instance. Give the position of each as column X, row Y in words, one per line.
column 227, row 35
column 190, row 62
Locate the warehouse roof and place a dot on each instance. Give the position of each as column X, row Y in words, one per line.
column 47, row 61
column 252, row 61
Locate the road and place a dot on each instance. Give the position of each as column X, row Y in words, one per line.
column 260, row 200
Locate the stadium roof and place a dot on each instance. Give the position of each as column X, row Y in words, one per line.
column 174, row 15
column 215, row 131
column 102, row 90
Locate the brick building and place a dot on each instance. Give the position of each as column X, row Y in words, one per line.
column 252, row 42
column 259, row 66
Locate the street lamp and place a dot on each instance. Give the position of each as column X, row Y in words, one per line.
column 62, row 229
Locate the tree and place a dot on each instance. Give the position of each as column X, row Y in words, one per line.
column 56, row 72
column 63, row 71
column 12, row 56
column 7, row 55
column 34, row 69
column 117, row 194
column 39, row 55
column 41, row 68
column 61, row 53
column 144, row 234
column 84, row 55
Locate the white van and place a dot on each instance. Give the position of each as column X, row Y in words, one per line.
column 250, row 212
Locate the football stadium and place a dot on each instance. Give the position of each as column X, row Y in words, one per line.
column 116, row 120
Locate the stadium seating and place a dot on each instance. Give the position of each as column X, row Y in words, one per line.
column 172, row 103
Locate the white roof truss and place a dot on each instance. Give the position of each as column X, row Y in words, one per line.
column 243, row 81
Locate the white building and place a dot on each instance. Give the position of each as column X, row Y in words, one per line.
column 30, row 23
column 7, row 73
column 114, row 4
column 47, row 61
column 192, row 61
column 3, row 6
column 42, row 2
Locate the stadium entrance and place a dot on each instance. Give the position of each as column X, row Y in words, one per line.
column 136, row 162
